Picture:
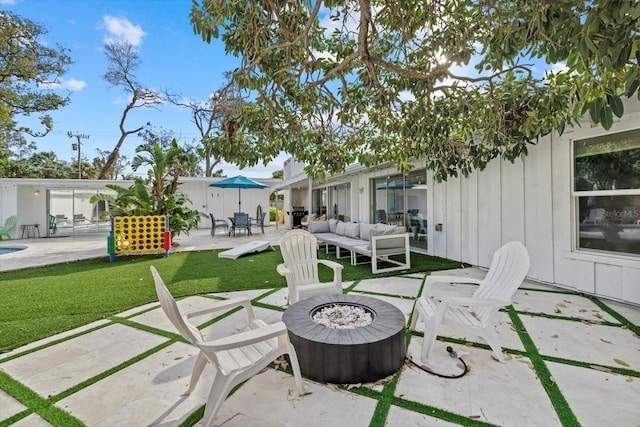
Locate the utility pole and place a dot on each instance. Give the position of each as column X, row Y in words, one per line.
column 77, row 147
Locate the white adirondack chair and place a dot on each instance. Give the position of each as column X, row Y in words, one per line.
column 509, row 267
column 236, row 357
column 300, row 253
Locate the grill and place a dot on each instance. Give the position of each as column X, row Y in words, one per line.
column 298, row 213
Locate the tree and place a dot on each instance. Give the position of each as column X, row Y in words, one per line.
column 214, row 119
column 158, row 194
column 162, row 166
column 39, row 165
column 118, row 169
column 452, row 81
column 29, row 69
column 123, row 63
column 186, row 156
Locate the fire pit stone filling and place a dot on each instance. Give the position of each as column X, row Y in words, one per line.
column 363, row 340
column 342, row 316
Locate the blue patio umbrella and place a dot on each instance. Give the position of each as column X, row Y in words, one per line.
column 238, row 182
column 393, row 185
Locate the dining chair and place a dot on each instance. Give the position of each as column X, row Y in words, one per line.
column 260, row 221
column 422, row 229
column 217, row 223
column 241, row 222
column 411, row 226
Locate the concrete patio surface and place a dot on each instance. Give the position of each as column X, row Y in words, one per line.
column 571, row 360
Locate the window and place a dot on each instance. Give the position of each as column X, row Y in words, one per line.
column 607, row 192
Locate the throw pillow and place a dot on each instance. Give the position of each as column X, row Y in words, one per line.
column 365, row 229
column 318, row 227
column 352, row 229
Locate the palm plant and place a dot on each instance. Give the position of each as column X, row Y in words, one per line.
column 159, row 195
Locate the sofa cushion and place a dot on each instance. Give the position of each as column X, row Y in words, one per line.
column 352, row 229
column 385, row 227
column 341, row 228
column 318, row 227
column 387, row 243
column 364, row 230
column 333, row 223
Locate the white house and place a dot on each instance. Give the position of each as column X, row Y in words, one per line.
column 574, row 201
column 33, row 201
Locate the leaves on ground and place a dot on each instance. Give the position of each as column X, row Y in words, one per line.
column 621, row 362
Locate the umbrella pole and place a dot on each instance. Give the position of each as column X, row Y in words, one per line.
column 239, row 201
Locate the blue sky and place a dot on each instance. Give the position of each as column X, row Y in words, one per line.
column 173, row 58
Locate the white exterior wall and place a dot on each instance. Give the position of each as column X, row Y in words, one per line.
column 223, row 202
column 17, row 197
column 531, row 201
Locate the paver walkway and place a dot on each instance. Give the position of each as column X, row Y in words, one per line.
column 573, row 360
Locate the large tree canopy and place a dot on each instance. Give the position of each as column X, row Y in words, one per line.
column 29, row 69
column 456, row 82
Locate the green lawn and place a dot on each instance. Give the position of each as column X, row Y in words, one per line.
column 40, row 302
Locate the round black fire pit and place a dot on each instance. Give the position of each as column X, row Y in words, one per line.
column 347, row 356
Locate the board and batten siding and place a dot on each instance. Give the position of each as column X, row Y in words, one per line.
column 530, row 200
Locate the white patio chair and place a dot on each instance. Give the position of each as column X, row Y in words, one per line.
column 508, row 269
column 236, row 357
column 300, row 253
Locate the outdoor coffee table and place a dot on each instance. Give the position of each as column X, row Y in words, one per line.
column 347, row 356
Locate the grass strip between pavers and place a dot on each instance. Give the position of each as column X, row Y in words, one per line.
column 133, row 324
column 58, row 417
column 44, row 408
column 71, row 390
column 54, row 342
column 560, row 404
column 380, row 414
column 619, row 317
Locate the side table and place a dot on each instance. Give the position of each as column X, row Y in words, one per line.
column 30, row 229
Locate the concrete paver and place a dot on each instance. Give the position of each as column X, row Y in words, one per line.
column 126, row 375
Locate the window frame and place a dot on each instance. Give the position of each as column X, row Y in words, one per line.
column 576, row 195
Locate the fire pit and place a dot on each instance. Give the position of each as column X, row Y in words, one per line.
column 354, row 339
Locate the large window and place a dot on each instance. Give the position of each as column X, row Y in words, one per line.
column 402, row 200
column 607, row 192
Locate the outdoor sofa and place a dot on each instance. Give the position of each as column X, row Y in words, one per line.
column 375, row 242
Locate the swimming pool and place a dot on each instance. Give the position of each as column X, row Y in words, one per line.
column 11, row 249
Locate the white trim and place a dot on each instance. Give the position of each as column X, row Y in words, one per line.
column 603, row 257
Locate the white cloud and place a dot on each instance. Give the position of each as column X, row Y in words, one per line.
column 7, row 1
column 71, row 84
column 122, row 30
column 406, row 96
column 74, row 85
column 559, row 67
